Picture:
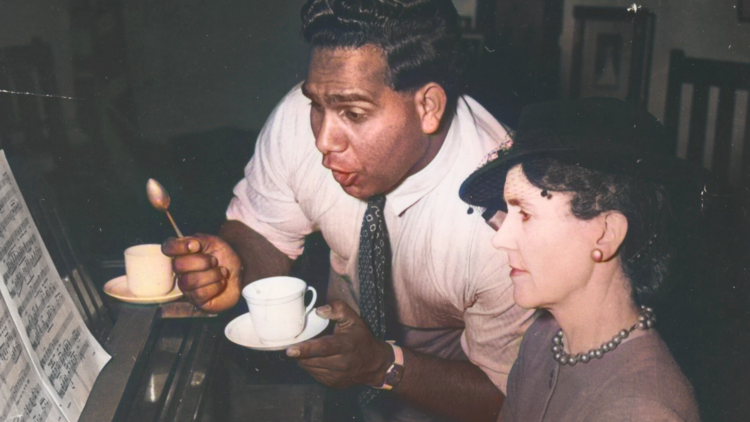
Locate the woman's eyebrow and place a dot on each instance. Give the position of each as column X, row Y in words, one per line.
column 514, row 202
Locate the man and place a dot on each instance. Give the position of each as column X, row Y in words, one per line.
column 379, row 113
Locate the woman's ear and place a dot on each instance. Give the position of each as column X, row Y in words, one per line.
column 615, row 227
column 431, row 102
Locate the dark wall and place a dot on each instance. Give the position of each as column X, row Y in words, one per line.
column 160, row 89
column 195, row 64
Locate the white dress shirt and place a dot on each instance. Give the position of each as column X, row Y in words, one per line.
column 453, row 291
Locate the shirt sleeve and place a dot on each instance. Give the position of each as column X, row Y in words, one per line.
column 494, row 324
column 265, row 199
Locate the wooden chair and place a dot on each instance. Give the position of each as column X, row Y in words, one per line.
column 707, row 116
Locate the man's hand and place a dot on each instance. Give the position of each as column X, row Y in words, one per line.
column 351, row 356
column 208, row 270
column 457, row 390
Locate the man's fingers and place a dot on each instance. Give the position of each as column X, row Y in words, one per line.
column 202, row 295
column 321, row 347
column 194, row 262
column 327, row 363
column 199, row 279
column 180, row 246
column 338, row 312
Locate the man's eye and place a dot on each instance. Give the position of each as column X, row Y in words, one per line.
column 353, row 115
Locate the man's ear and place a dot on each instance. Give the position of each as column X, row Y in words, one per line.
column 614, row 229
column 431, row 102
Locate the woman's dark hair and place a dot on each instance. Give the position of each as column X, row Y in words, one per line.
column 645, row 252
column 419, row 37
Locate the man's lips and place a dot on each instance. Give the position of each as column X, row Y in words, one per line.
column 344, row 179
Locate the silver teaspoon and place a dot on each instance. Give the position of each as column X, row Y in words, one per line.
column 159, row 198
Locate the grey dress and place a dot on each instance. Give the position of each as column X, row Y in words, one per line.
column 638, row 381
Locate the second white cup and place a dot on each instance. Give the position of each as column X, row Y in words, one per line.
column 148, row 270
column 277, row 307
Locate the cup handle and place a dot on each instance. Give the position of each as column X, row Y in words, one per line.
column 314, row 298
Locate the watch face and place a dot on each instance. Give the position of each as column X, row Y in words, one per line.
column 394, row 375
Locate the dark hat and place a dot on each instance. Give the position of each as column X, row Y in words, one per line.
column 603, row 134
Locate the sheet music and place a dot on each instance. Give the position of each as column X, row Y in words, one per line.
column 23, row 396
column 61, row 350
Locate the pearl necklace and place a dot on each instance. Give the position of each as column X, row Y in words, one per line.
column 646, row 320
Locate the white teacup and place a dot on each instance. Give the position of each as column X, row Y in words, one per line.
column 148, row 270
column 277, row 307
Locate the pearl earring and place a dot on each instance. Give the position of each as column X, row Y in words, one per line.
column 597, row 255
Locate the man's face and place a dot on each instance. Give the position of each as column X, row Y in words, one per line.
column 370, row 135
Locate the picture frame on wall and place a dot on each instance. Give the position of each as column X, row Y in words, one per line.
column 743, row 10
column 612, row 49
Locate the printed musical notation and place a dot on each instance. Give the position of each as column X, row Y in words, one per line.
column 22, row 393
column 48, row 358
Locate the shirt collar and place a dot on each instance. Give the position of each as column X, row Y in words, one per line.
column 416, row 186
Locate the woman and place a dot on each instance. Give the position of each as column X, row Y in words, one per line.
column 589, row 188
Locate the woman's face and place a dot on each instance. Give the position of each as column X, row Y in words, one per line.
column 549, row 249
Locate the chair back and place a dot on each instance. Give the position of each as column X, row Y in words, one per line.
column 707, row 116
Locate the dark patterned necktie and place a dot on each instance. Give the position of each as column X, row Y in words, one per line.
column 374, row 267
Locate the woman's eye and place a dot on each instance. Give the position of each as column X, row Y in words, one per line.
column 524, row 215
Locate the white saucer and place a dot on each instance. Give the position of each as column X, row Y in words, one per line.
column 118, row 289
column 242, row 332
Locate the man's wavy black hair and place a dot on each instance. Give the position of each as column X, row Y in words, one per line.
column 419, row 37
